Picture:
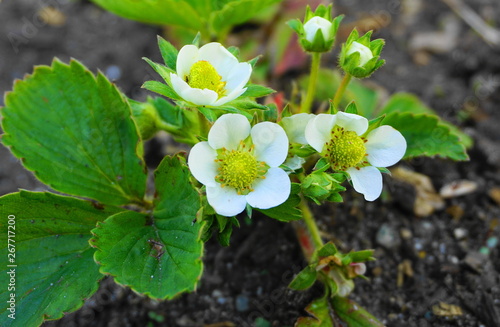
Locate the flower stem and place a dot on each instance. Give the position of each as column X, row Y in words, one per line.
column 313, row 81
column 310, row 223
column 341, row 89
column 204, row 124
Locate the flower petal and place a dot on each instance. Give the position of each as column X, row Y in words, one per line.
column 365, row 54
column 222, row 60
column 367, row 181
column 316, row 23
column 271, row 143
column 226, row 201
column 230, row 97
column 228, row 131
column 352, row 122
column 385, row 146
column 238, row 76
column 201, row 162
column 187, row 56
column 318, row 130
column 295, row 127
column 271, row 191
column 199, row 97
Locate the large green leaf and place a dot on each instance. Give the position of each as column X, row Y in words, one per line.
column 353, row 314
column 237, row 12
column 162, row 12
column 75, row 132
column 425, row 136
column 406, row 102
column 157, row 254
column 49, row 252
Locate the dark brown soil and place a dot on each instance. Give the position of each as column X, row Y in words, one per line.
column 452, row 253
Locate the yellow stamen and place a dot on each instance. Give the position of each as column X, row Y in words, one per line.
column 203, row 75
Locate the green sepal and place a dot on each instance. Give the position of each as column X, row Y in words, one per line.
column 196, row 40
column 162, row 89
column 271, row 114
column 374, row 123
column 168, row 52
column 320, row 186
column 351, row 64
column 327, row 250
column 352, row 314
column 257, row 91
column 304, row 279
column 352, row 108
column 162, row 70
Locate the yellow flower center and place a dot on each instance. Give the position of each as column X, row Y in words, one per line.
column 239, row 169
column 203, row 75
column 346, row 149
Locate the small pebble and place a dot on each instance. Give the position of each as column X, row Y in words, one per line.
column 492, row 242
column 387, row 236
column 460, row 233
column 242, row 303
column 113, row 72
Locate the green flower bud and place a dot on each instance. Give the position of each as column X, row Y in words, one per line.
column 146, row 117
column 320, row 186
column 360, row 56
column 318, row 31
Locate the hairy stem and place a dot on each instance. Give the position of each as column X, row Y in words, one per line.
column 310, row 223
column 313, row 81
column 340, row 91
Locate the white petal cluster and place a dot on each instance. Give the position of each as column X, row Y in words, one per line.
column 365, row 54
column 318, row 23
column 270, row 146
column 234, row 75
column 384, row 145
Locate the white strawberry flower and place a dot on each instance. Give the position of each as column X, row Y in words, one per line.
column 342, row 139
column 316, row 23
column 210, row 75
column 240, row 164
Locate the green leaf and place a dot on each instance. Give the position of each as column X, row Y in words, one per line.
column 54, row 266
column 164, row 12
column 243, row 104
column 237, row 12
column 257, row 91
column 168, row 52
column 162, row 70
column 353, row 314
column 406, row 102
column 75, row 132
column 288, row 210
column 425, row 136
column 304, row 279
column 319, row 309
column 157, row 254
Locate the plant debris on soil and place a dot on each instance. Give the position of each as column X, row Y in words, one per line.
column 435, row 267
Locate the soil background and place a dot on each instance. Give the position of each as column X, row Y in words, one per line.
column 450, row 256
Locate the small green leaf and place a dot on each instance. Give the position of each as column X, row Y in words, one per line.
column 257, row 91
column 46, row 241
column 244, row 104
column 425, row 136
column 165, row 12
column 76, row 133
column 353, row 314
column 168, row 52
column 304, row 279
column 319, row 309
column 157, row 254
